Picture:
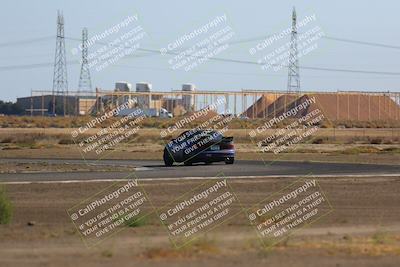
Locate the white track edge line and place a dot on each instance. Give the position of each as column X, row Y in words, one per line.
column 204, row 178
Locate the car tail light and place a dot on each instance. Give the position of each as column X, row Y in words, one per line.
column 227, row 146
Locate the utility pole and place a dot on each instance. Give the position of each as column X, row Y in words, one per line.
column 294, row 74
column 85, row 83
column 60, row 81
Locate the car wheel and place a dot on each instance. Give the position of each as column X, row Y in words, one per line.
column 168, row 161
column 229, row 160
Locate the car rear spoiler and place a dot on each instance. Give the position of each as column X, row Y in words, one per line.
column 227, row 139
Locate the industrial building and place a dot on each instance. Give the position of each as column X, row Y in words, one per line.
column 47, row 104
column 84, row 103
column 148, row 99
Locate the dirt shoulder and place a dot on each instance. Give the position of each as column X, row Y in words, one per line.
column 362, row 230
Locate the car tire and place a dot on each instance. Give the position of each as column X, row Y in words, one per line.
column 168, row 161
column 229, row 160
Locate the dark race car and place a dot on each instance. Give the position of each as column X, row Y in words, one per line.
column 196, row 145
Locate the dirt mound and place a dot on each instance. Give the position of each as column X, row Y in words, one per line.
column 270, row 105
column 360, row 107
column 340, row 106
column 209, row 114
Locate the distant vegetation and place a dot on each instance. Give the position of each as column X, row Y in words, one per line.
column 160, row 123
column 10, row 108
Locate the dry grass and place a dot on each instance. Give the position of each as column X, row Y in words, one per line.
column 72, row 122
column 378, row 244
column 42, row 137
column 201, row 246
column 6, row 207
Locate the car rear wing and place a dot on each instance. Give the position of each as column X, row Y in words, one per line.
column 227, row 139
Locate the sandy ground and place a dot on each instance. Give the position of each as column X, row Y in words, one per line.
column 362, row 230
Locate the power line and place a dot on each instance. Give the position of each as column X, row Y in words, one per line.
column 240, row 41
column 360, row 42
column 26, row 41
column 157, row 52
column 236, row 73
column 26, row 66
column 39, row 65
column 33, row 66
column 330, row 38
column 255, row 63
column 301, row 67
column 50, row 64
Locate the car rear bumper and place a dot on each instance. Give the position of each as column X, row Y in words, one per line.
column 214, row 156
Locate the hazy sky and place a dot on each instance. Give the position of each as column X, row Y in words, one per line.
column 166, row 21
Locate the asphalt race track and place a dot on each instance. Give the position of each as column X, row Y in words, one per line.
column 241, row 169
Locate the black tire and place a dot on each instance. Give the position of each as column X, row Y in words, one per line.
column 229, row 160
column 168, row 161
